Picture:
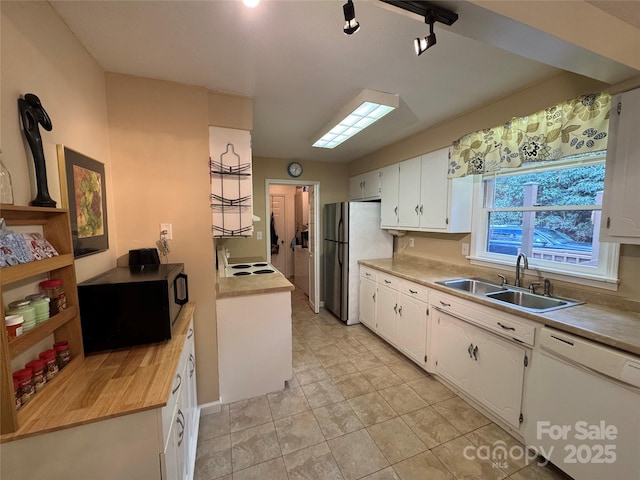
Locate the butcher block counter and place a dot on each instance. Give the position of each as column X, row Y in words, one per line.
column 107, row 385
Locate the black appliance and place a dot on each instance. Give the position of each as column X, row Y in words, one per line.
column 144, row 256
column 129, row 306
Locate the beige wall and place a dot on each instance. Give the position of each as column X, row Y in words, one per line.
column 159, row 146
column 41, row 56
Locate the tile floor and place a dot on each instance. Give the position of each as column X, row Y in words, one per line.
column 355, row 409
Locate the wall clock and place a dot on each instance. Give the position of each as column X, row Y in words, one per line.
column 294, row 169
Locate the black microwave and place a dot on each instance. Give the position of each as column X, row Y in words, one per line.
column 129, row 306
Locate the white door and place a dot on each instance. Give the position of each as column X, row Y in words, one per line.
column 409, row 193
column 412, row 328
column 454, row 347
column 389, row 197
column 314, row 257
column 368, row 302
column 279, row 260
column 386, row 311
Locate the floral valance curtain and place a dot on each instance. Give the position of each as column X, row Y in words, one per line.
column 576, row 126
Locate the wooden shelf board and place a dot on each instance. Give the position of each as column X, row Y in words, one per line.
column 25, row 270
column 30, row 338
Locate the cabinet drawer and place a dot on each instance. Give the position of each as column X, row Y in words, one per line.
column 389, row 281
column 414, row 290
column 502, row 323
column 369, row 273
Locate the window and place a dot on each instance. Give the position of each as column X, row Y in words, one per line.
column 550, row 212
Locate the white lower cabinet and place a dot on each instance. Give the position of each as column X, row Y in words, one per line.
column 481, row 364
column 386, row 313
column 367, row 309
column 412, row 328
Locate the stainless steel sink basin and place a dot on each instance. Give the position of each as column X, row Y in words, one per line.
column 473, row 285
column 530, row 301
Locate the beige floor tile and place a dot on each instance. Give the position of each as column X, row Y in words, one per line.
column 385, row 474
column 322, row 393
column 381, row 377
column 297, row 432
column 303, row 357
column 494, row 438
column 318, row 342
column 254, row 445
column 535, row 471
column 313, row 372
column 461, row 415
column 421, row 467
column 463, row 462
column 431, row 390
column 430, row 427
column 342, row 368
column 402, row 398
column 328, row 360
column 272, row 470
column 365, row 360
column 312, row 463
column 407, row 370
column 387, row 355
column 353, row 385
column 214, row 424
column 396, row 440
column 337, row 419
column 287, row 402
column 213, row 458
column 357, row 454
column 373, row 342
column 249, row 413
column 371, row 408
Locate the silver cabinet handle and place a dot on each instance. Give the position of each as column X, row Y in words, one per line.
column 180, row 421
column 475, row 353
column 412, row 291
column 190, row 334
column 367, row 274
column 470, row 350
column 192, row 361
column 444, row 304
column 421, row 212
column 374, row 297
column 396, row 210
column 506, row 327
column 417, row 209
column 179, row 377
column 387, row 281
column 400, row 310
column 395, row 309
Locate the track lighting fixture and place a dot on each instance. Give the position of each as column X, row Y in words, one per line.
column 422, row 44
column 351, row 25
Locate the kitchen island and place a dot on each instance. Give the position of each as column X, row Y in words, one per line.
column 254, row 335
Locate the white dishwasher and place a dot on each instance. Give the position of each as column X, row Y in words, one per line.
column 584, row 410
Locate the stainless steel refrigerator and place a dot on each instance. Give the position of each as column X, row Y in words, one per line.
column 351, row 232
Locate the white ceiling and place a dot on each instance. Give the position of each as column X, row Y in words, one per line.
column 292, row 58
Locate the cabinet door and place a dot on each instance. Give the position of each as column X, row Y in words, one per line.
column 453, row 342
column 169, row 459
column 389, row 196
column 409, row 193
column 355, row 187
column 412, row 328
column 620, row 213
column 499, row 375
column 371, row 185
column 368, row 302
column 434, row 199
column 386, row 311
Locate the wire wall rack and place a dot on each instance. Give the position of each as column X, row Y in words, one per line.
column 231, row 195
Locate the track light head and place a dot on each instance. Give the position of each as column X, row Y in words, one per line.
column 351, row 25
column 422, row 44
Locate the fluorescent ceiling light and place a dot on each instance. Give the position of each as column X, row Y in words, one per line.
column 368, row 107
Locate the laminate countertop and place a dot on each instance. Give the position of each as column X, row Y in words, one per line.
column 107, row 385
column 252, row 285
column 609, row 326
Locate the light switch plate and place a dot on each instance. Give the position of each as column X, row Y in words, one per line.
column 465, row 249
column 259, row 235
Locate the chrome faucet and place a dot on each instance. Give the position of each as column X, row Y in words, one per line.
column 526, row 265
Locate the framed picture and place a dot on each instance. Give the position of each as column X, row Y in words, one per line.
column 83, row 192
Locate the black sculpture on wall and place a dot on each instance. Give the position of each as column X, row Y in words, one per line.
column 33, row 113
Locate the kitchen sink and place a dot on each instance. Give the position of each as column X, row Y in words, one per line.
column 473, row 285
column 531, row 301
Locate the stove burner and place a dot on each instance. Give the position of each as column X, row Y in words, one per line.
column 239, row 274
column 265, row 270
column 260, row 264
column 240, row 266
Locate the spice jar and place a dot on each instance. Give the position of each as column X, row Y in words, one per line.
column 24, row 308
column 25, row 389
column 38, row 378
column 54, row 290
column 41, row 303
column 15, row 390
column 50, row 364
column 63, row 354
column 14, row 325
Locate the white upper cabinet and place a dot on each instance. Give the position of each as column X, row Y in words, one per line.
column 620, row 212
column 423, row 198
column 366, row 186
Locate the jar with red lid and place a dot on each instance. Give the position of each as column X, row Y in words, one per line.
column 63, row 354
column 54, row 290
column 25, row 388
column 50, row 364
column 15, row 390
column 38, row 379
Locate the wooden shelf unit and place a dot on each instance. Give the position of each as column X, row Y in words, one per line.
column 56, row 229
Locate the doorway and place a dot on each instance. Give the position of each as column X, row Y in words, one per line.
column 292, row 239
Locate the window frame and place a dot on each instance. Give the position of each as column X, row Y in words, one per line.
column 604, row 276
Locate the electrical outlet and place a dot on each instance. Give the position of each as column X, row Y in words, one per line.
column 411, row 242
column 465, row 249
column 166, row 227
column 259, row 235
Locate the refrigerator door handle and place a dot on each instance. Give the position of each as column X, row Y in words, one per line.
column 340, row 230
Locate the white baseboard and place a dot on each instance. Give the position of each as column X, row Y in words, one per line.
column 212, row 407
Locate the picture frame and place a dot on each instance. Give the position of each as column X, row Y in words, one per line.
column 83, row 193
